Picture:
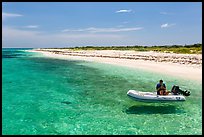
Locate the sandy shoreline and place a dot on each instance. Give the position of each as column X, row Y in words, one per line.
column 181, row 65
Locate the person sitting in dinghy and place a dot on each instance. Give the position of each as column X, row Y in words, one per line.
column 161, row 88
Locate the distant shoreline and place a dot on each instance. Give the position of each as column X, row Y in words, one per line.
column 180, row 49
column 182, row 65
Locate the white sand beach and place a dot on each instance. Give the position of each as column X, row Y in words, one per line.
column 188, row 66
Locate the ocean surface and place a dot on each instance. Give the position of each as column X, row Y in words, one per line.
column 44, row 96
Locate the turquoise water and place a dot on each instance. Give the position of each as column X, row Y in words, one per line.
column 44, row 96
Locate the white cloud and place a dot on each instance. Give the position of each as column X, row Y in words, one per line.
column 31, row 26
column 99, row 30
column 7, row 15
column 123, row 11
column 165, row 13
column 13, row 37
column 166, row 25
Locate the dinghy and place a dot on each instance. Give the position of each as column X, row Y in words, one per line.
column 153, row 97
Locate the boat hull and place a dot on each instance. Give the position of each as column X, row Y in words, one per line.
column 153, row 97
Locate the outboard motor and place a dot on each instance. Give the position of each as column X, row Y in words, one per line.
column 176, row 91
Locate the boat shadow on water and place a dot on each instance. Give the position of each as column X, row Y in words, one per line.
column 144, row 109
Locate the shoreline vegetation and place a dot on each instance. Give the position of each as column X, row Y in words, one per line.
column 180, row 49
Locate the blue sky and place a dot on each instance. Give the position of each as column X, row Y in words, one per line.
column 68, row 24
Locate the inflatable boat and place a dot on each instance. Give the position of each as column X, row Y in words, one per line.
column 153, row 97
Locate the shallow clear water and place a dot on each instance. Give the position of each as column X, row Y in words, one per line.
column 41, row 95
